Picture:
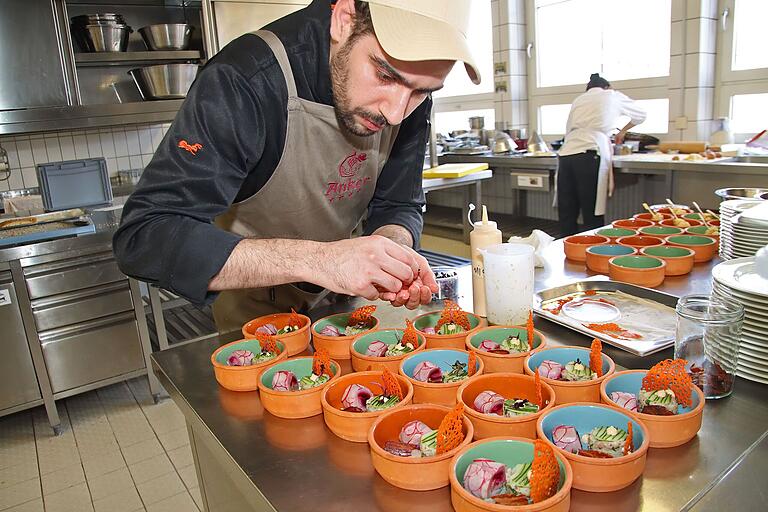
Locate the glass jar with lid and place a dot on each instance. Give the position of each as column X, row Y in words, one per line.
column 708, row 337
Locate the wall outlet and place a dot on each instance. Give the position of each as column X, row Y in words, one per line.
column 681, row 123
column 530, row 181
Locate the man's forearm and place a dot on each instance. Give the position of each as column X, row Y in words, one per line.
column 261, row 263
column 396, row 233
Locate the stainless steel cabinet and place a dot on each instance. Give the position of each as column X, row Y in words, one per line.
column 32, row 70
column 18, row 383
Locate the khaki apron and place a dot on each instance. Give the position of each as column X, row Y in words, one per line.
column 319, row 191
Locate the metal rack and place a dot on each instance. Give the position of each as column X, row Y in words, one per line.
column 174, row 321
column 132, row 58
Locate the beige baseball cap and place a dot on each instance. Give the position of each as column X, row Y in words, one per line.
column 413, row 30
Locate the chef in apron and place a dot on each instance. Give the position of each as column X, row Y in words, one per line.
column 226, row 212
column 584, row 178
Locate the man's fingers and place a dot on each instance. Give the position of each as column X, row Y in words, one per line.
column 426, row 295
column 414, row 292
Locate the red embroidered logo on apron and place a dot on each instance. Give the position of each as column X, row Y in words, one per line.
column 192, row 148
column 348, row 168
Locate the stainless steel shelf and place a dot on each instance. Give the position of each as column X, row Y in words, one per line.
column 86, row 116
column 129, row 58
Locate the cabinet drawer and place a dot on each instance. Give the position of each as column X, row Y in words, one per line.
column 92, row 351
column 69, row 275
column 81, row 306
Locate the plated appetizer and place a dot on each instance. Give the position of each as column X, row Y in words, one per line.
column 336, row 333
column 575, row 371
column 244, row 357
column 416, row 439
column 518, row 485
column 294, row 324
column 452, row 321
column 237, row 366
column 601, row 442
column 490, row 402
column 427, row 371
column 448, row 328
column 405, row 345
column 359, row 398
column 665, row 388
column 286, row 380
column 359, row 321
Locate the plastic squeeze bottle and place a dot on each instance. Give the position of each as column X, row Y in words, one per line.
column 484, row 234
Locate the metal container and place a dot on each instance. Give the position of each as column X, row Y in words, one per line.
column 107, row 37
column 476, row 123
column 167, row 36
column 165, row 81
column 740, row 193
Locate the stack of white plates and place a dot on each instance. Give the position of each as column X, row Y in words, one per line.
column 737, row 280
column 746, row 236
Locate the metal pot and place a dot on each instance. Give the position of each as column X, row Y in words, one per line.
column 476, row 123
column 740, row 193
column 167, row 36
column 102, row 37
column 165, row 81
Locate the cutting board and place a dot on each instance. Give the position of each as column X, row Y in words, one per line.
column 454, row 170
column 690, row 146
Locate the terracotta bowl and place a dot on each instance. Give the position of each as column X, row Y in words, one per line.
column 576, row 245
column 337, row 346
column 701, row 231
column 362, row 362
column 639, row 270
column 697, row 216
column 613, row 234
column 509, row 451
column 451, row 341
column 632, row 223
column 660, row 231
column 640, row 241
column 647, row 216
column 591, row 474
column 508, row 385
column 413, row 473
column 241, row 378
column 569, row 392
column 495, row 363
column 294, row 404
column 295, row 342
column 443, row 393
column 664, row 208
column 663, row 431
column 679, row 260
column 598, row 256
column 354, row 426
column 671, row 223
column 704, row 247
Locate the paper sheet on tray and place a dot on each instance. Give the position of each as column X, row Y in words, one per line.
column 654, row 321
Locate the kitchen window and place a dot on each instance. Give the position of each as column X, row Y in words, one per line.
column 552, row 119
column 620, row 39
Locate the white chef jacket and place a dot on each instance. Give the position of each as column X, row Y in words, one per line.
column 593, row 116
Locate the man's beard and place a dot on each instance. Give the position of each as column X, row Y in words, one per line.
column 345, row 113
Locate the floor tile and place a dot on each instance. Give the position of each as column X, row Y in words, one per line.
column 179, row 503
column 19, row 473
column 181, row 457
column 126, row 500
column 151, row 468
column 189, row 476
column 142, row 451
column 102, row 464
column 174, row 439
column 110, row 483
column 19, row 493
column 63, row 478
column 35, row 505
column 160, row 488
column 195, row 493
column 165, row 417
column 73, row 499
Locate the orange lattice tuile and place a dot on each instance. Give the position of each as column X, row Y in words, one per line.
column 628, row 441
column 361, row 316
column 452, row 314
column 537, row 383
column 391, row 385
column 410, row 335
column 321, row 363
column 529, row 329
column 670, row 374
column 596, row 357
column 545, row 472
column 450, row 433
column 471, row 364
column 267, row 343
column 294, row 318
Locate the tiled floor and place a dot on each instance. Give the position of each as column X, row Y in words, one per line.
column 119, row 452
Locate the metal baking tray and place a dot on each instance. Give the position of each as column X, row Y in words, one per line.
column 630, row 346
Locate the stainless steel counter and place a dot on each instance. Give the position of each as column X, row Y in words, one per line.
column 248, row 459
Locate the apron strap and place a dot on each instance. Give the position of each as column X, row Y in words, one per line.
column 278, row 49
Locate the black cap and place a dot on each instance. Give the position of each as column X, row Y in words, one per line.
column 595, row 80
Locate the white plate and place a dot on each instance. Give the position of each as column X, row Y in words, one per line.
column 749, row 376
column 748, row 301
column 591, row 311
column 740, row 274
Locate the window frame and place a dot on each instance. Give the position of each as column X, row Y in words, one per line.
column 724, row 50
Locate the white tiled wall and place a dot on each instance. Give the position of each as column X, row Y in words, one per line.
column 123, row 147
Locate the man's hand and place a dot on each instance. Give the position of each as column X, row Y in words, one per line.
column 420, row 290
column 372, row 267
column 619, row 137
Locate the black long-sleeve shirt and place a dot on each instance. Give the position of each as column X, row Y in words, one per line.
column 237, row 111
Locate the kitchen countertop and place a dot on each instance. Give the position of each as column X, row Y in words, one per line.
column 285, row 464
